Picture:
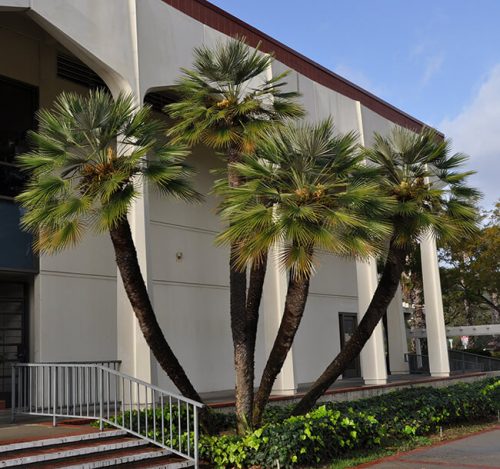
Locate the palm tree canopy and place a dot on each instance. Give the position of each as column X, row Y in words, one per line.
column 304, row 189
column 91, row 155
column 227, row 99
column 427, row 183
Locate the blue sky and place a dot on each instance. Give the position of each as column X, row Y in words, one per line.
column 438, row 60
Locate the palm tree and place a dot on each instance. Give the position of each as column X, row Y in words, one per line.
column 91, row 155
column 226, row 101
column 303, row 191
column 429, row 187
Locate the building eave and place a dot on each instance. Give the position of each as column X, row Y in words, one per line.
column 222, row 21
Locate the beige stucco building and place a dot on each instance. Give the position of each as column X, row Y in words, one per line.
column 72, row 307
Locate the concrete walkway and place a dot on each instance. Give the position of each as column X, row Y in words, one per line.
column 479, row 451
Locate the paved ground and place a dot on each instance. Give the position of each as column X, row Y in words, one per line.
column 29, row 428
column 346, row 383
column 480, row 451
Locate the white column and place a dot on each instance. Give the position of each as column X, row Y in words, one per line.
column 373, row 368
column 273, row 300
column 132, row 348
column 434, row 314
column 396, row 333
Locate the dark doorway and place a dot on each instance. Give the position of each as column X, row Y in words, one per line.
column 13, row 332
column 348, row 324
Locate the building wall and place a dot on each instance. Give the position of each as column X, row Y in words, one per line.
column 76, row 292
column 73, row 315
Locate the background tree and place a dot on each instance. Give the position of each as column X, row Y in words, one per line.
column 226, row 101
column 412, row 288
column 303, row 190
column 471, row 273
column 432, row 198
column 91, row 155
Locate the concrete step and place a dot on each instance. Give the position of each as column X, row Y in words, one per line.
column 40, row 443
column 145, row 456
column 69, row 450
column 110, row 448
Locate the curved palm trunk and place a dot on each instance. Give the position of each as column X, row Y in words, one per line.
column 384, row 293
column 126, row 259
column 295, row 303
column 239, row 323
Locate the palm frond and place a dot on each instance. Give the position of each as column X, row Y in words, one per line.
column 90, row 151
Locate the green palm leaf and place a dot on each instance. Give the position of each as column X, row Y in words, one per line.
column 90, row 154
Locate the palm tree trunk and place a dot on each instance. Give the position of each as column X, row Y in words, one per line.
column 295, row 304
column 254, row 297
column 244, row 379
column 126, row 259
column 239, row 323
column 384, row 293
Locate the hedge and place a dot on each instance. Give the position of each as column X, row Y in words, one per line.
column 337, row 428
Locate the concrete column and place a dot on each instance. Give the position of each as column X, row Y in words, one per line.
column 373, row 368
column 132, row 347
column 273, row 301
column 396, row 333
column 434, row 314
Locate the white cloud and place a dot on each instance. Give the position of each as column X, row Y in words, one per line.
column 426, row 57
column 432, row 66
column 476, row 131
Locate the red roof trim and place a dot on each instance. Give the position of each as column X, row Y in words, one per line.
column 215, row 17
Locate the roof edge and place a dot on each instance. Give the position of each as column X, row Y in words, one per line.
column 224, row 22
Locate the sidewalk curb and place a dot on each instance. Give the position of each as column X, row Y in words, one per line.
column 396, row 456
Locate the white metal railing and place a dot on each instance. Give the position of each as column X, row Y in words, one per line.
column 93, row 391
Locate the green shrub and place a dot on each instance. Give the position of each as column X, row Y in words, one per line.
column 337, row 428
column 332, row 429
column 492, row 392
column 307, row 439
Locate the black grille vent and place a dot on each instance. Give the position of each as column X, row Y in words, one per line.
column 72, row 69
column 159, row 99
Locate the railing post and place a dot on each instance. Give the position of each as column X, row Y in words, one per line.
column 101, row 398
column 13, row 395
column 54, row 394
column 195, row 436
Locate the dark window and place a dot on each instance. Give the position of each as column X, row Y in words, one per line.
column 159, row 99
column 17, row 117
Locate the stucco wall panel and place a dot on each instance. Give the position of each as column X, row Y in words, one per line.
column 77, row 318
column 317, row 340
column 94, row 255
column 194, row 215
column 161, row 54
column 196, row 324
column 306, row 89
column 373, row 122
column 201, row 261
column 334, row 275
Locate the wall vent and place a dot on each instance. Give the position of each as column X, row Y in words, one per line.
column 159, row 99
column 71, row 69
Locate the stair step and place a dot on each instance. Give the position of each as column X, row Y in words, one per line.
column 60, row 440
column 166, row 462
column 69, row 450
column 139, row 455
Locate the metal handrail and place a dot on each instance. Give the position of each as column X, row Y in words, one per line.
column 459, row 362
column 93, row 391
column 481, row 362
